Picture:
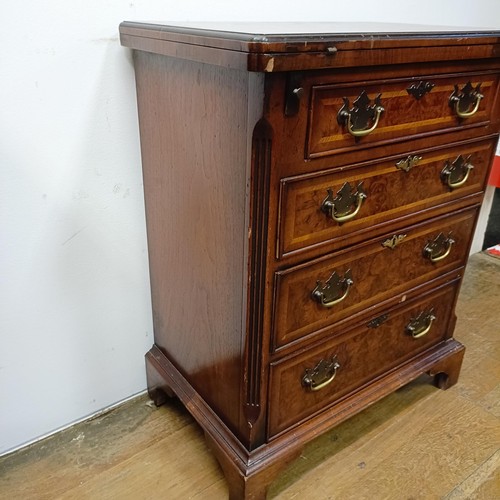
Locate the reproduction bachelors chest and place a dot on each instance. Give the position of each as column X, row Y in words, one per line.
column 311, row 194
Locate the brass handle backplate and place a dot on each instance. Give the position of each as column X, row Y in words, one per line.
column 335, row 290
column 321, row 375
column 346, row 204
column 439, row 248
column 456, row 174
column 420, row 326
column 466, row 102
column 361, row 115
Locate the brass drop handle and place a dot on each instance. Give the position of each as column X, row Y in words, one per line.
column 346, row 204
column 362, row 132
column 334, row 291
column 439, row 248
column 456, row 174
column 321, row 375
column 462, row 100
column 467, row 114
column 357, row 118
column 422, row 333
column 444, row 254
column 344, row 218
column 421, row 325
column 454, row 185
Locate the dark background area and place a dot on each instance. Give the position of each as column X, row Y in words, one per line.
column 492, row 234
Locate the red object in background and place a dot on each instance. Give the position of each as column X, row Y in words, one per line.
column 494, row 179
column 494, row 251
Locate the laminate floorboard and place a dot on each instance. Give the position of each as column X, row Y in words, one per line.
column 418, row 443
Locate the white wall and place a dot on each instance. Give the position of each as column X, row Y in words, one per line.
column 75, row 316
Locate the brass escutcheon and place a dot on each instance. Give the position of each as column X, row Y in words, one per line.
column 408, row 163
column 394, row 241
column 376, row 322
column 419, row 90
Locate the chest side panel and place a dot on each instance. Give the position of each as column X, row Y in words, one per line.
column 194, row 121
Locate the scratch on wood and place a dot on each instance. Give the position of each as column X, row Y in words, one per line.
column 270, row 65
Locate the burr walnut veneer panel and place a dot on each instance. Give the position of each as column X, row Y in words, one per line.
column 363, row 353
column 404, row 115
column 390, row 190
column 405, row 267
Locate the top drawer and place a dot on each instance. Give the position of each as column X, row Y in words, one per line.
column 347, row 116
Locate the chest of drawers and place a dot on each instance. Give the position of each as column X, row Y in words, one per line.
column 311, row 194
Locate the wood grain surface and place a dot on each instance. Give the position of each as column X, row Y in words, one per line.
column 196, row 177
column 403, row 116
column 404, row 268
column 390, row 192
column 272, row 47
column 224, row 152
column 291, row 132
column 363, row 354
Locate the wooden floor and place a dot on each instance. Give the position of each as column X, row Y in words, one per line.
column 419, row 443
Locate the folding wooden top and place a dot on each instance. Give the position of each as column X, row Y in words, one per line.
column 273, row 47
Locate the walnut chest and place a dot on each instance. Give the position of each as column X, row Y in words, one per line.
column 311, row 194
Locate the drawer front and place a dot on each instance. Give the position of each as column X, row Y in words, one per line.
column 314, row 296
column 324, row 207
column 349, row 116
column 306, row 383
